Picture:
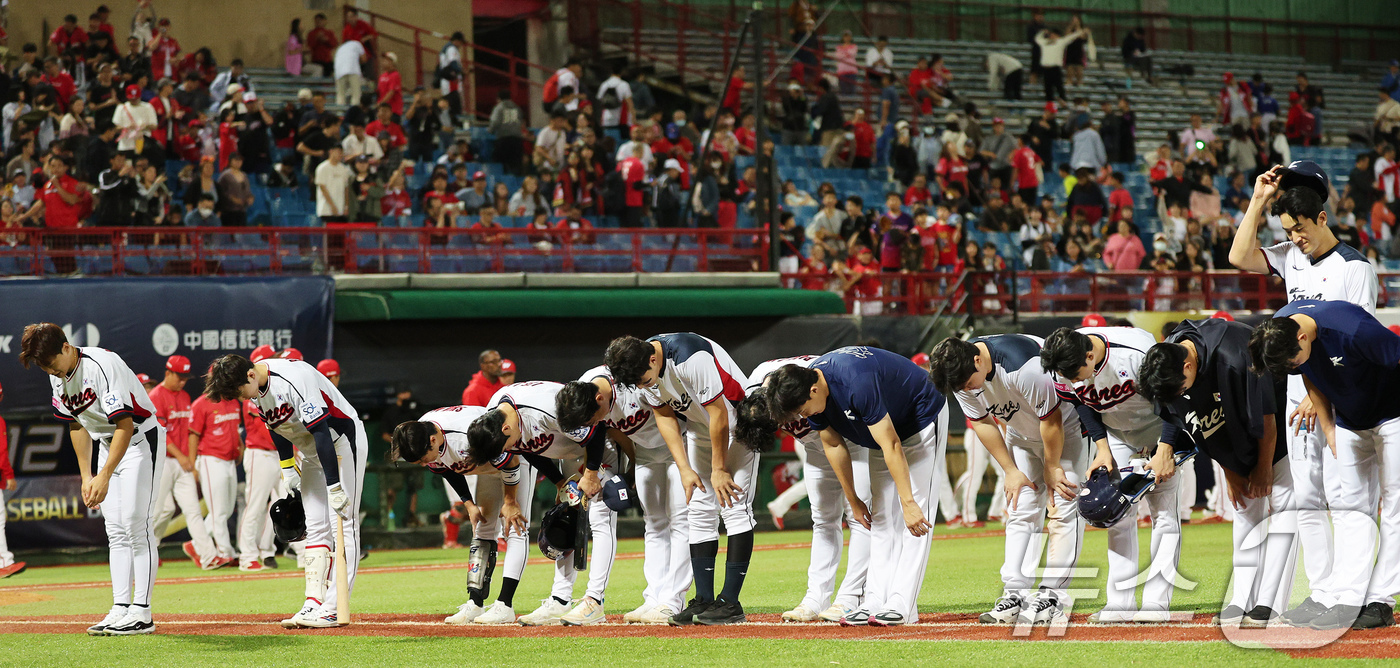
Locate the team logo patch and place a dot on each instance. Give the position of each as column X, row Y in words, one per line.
column 310, row 412
column 111, row 402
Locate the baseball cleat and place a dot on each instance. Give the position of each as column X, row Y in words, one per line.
column 548, row 614
column 777, row 516
column 307, row 612
column 800, row 614
column 1107, row 616
column 1337, row 617
column 636, row 615
column 954, row 522
column 451, row 545
column 1259, row 618
column 188, row 547
column 1045, row 610
column 659, row 615
column 973, row 524
column 687, row 616
column 1230, row 616
column 13, row 569
column 722, row 613
column 116, row 614
column 133, row 624
column 216, row 563
column 1007, row 609
column 326, row 621
column 466, row 612
column 586, row 613
column 1153, row 616
column 251, row 567
column 498, row 613
column 887, row 618
column 1375, row 615
column 856, row 618
column 270, row 562
column 835, row 613
column 1306, row 611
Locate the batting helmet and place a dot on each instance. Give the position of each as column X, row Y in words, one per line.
column 1100, row 502
column 558, row 529
column 288, row 518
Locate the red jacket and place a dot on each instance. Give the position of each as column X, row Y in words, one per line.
column 480, row 390
column 6, row 473
column 865, row 139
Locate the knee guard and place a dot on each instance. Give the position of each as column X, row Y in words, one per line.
column 480, row 566
column 317, row 562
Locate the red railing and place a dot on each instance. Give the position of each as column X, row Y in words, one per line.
column 481, row 80
column 366, row 248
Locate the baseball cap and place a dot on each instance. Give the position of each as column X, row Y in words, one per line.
column 1223, row 315
column 794, row 86
column 1050, row 107
column 178, row 363
column 673, row 163
column 616, row 494
column 1304, row 173
column 250, row 96
column 996, row 120
column 133, row 92
column 261, row 353
column 1395, row 328
column 479, row 176
column 1229, row 76
column 1093, row 320
column 328, row 367
column 1395, row 63
column 919, row 359
column 140, row 378
column 507, row 366
column 291, row 354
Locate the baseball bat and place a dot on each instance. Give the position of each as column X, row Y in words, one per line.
column 342, row 577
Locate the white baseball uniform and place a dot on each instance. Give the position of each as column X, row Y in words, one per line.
column 215, row 423
column 99, row 392
column 296, row 399
column 1111, row 409
column 828, row 504
column 264, row 486
column 1021, row 394
column 1341, row 274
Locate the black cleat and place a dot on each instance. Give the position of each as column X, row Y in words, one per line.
column 270, row 562
column 687, row 616
column 721, row 613
column 1374, row 616
column 1336, row 617
column 1306, row 611
column 1258, row 618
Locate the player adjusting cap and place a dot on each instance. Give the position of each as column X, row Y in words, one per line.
column 143, row 378
column 178, row 364
column 1304, row 173
column 261, row 353
column 291, row 354
column 1093, row 320
column 919, row 358
column 1223, row 315
column 507, row 366
column 328, row 367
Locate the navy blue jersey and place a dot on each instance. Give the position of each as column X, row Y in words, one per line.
column 1355, row 361
column 866, row 384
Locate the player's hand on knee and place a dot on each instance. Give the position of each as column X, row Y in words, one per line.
column 860, row 513
column 725, row 490
column 1015, row 480
column 338, row 500
column 1059, row 483
column 1304, row 416
column 690, row 481
column 916, row 522
column 473, row 512
column 514, row 518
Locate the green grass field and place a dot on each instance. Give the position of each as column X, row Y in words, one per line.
column 962, row 578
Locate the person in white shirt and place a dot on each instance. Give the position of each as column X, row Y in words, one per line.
column 1052, row 60
column 638, row 137
column 617, row 92
column 551, row 142
column 879, row 60
column 1005, row 71
column 134, row 118
column 332, row 182
column 1195, row 136
column 568, row 75
column 358, row 143
column 1388, row 174
column 348, row 57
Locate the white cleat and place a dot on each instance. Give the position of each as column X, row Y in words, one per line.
column 800, row 614
column 116, row 614
column 136, row 622
column 835, row 613
column 586, row 613
column 321, row 621
column 657, row 616
column 466, row 613
column 548, row 614
column 1107, row 616
column 1045, row 611
column 1007, row 609
column 498, row 613
column 1152, row 617
column 306, row 613
column 636, row 615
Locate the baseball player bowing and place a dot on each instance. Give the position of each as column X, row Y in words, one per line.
column 307, row 414
column 1313, row 265
column 886, row 404
column 99, row 396
column 1096, row 370
column 438, row 441
column 1201, row 385
column 691, row 377
column 755, row 430
column 597, row 399
column 1350, row 364
column 1000, row 376
column 520, row 420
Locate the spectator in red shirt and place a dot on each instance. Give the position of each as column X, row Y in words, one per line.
column 1026, row 164
column 918, row 193
column 745, row 134
column 574, row 220
column 951, row 169
column 61, row 81
column 8, row 565
column 61, row 202
column 164, row 52
column 485, row 382
column 921, row 87
column 396, row 200
column 68, row 39
column 949, row 236
column 322, row 42
column 1118, row 200
column 489, row 231
column 384, row 122
column 391, row 82
column 634, row 172
column 733, row 98
column 863, row 281
column 442, row 193
column 864, row 140
column 1162, row 168
column 102, row 15
column 356, row 28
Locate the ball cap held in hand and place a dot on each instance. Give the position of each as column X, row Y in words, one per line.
column 617, row 495
column 1304, row 173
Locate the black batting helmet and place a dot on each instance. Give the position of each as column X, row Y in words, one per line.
column 288, row 518
column 558, row 531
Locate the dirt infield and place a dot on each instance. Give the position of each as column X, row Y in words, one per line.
column 1378, row 644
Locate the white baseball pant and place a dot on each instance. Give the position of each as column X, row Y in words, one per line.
column 263, row 475
column 828, row 505
column 898, row 559
column 1260, row 563
column 970, row 482
column 1312, row 464
column 488, row 493
column 127, row 513
column 1027, row 521
column 218, row 481
column 320, row 519
column 602, row 521
column 1365, row 473
column 7, row 558
column 947, row 500
column 1164, row 510
column 178, row 487
column 1186, row 488
column 705, row 511
column 666, row 564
